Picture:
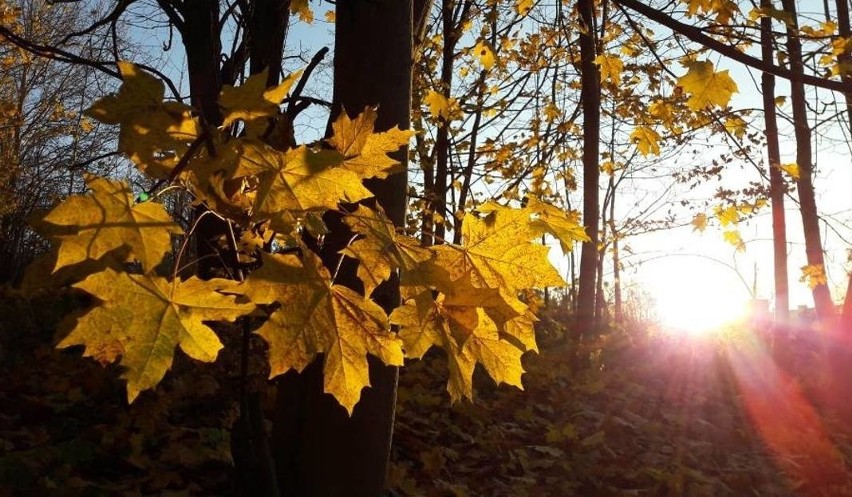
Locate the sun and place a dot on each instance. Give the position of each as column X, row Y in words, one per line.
column 697, row 311
column 700, row 302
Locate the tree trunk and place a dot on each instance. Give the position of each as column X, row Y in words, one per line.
column 804, row 158
column 776, row 181
column 590, row 96
column 845, row 30
column 320, row 450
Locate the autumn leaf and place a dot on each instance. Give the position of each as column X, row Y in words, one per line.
column 485, row 54
column 466, row 333
column 317, row 317
column 699, row 222
column 706, row 86
column 496, row 250
column 610, row 67
column 365, row 152
column 143, row 318
column 523, row 6
column 297, row 180
column 813, row 275
column 90, row 226
column 727, row 215
column 154, row 134
column 253, row 100
column 139, row 91
column 302, row 8
column 382, row 249
column 733, row 237
column 438, row 104
column 791, row 169
column 736, row 126
column 646, row 140
column 563, row 225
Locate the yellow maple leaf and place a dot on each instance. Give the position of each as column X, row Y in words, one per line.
column 253, row 100
column 611, row 67
column 382, row 249
column 736, row 126
column 727, row 215
column 792, row 169
column 439, row 105
column 466, row 333
column 330, row 16
column 90, row 226
column 706, row 86
column 365, row 152
column 144, row 318
column 485, row 54
column 497, row 251
column 646, row 140
column 813, row 275
column 318, row 317
column 154, row 134
column 699, row 222
column 733, row 237
column 523, row 6
column 563, row 225
column 298, row 180
column 302, row 8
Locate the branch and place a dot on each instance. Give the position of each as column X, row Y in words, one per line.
column 698, row 36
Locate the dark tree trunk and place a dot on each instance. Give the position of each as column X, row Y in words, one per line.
column 845, row 30
column 804, row 158
column 776, row 181
column 320, row 450
column 590, row 96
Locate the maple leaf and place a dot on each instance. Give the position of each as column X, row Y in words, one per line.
column 154, row 134
column 646, row 139
column 813, row 275
column 438, row 104
column 523, row 6
column 466, row 333
column 610, row 67
column 706, row 86
column 791, row 169
column 485, row 54
column 297, row 180
column 302, row 8
column 90, row 226
column 497, row 251
column 733, row 237
column 699, row 222
column 253, row 100
column 318, row 317
column 143, row 318
column 382, row 249
column 365, row 153
column 563, row 225
column 736, row 126
column 139, row 91
column 727, row 215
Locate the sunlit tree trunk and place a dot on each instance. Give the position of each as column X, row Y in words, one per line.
column 804, row 158
column 776, row 180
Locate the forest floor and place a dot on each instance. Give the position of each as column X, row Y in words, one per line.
column 647, row 418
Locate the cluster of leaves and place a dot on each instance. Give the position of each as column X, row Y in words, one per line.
column 272, row 194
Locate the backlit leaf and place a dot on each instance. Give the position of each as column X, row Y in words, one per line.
column 143, row 318
column 365, row 152
column 646, row 140
column 791, row 169
column 706, row 86
column 318, row 317
column 253, row 100
column 381, row 249
column 610, row 67
column 89, row 226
